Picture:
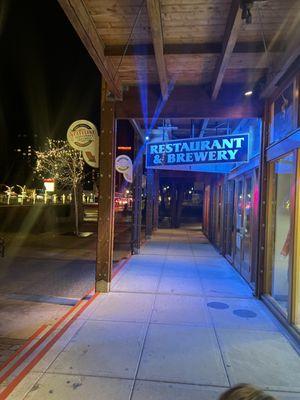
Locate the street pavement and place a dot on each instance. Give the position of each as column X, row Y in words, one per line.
column 179, row 323
column 43, row 275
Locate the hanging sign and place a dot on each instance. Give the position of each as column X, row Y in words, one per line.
column 208, row 150
column 82, row 135
column 91, row 156
column 124, row 166
column 49, row 184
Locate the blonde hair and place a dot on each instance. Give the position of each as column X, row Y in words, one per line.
column 245, row 392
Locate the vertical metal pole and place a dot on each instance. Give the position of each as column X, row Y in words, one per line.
column 137, row 197
column 149, row 203
column 156, row 200
column 107, row 155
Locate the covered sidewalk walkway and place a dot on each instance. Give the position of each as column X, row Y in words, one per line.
column 180, row 323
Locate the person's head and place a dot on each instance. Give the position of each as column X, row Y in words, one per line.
column 245, row 392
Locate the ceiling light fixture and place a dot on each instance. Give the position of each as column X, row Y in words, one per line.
column 248, row 93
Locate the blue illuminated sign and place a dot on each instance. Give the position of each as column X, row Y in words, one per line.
column 208, row 150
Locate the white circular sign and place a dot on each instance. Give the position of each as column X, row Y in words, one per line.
column 82, row 135
column 124, row 166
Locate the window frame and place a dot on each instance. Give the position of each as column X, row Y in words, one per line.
column 295, row 289
column 269, row 238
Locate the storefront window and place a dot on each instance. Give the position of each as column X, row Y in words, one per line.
column 247, row 221
column 283, row 115
column 229, row 217
column 281, row 189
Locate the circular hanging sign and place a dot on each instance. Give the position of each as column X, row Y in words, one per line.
column 82, row 135
column 124, row 166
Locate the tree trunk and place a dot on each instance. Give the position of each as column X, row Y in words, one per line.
column 80, row 204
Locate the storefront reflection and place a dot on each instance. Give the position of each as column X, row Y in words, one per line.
column 282, row 176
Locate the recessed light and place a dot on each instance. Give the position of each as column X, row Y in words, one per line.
column 248, row 93
column 147, row 137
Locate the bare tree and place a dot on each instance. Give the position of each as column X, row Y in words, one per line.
column 65, row 164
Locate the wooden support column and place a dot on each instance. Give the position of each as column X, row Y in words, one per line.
column 156, row 200
column 224, row 229
column 149, row 203
column 107, row 155
column 137, row 196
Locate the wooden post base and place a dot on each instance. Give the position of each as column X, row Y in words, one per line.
column 102, row 286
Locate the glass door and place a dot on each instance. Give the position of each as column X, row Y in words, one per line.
column 239, row 223
column 217, row 214
column 243, row 226
column 247, row 227
column 229, row 219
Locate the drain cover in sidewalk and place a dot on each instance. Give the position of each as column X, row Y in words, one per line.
column 217, row 305
column 245, row 313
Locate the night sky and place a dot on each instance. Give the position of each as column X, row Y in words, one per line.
column 47, row 79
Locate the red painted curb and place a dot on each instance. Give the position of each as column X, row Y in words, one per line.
column 12, row 385
column 38, row 343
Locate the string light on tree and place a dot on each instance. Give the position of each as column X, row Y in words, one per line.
column 64, row 164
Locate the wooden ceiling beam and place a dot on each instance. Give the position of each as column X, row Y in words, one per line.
column 83, row 24
column 233, row 24
column 146, row 49
column 154, row 14
column 190, row 102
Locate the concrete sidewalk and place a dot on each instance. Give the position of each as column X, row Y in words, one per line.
column 180, row 323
